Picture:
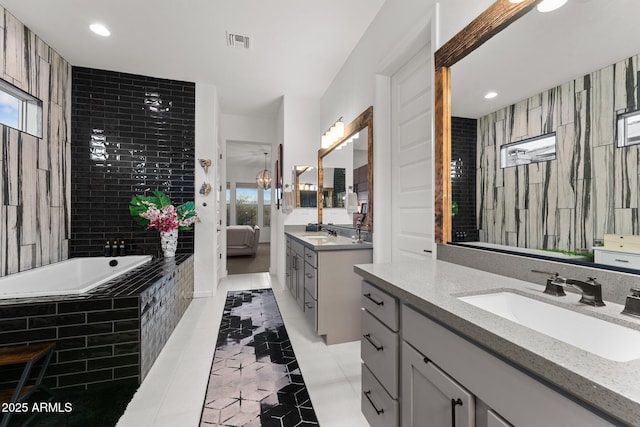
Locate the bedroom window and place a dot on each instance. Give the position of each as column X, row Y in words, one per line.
column 248, row 205
column 266, row 207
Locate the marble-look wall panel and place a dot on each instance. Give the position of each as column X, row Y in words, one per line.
column 35, row 178
column 592, row 188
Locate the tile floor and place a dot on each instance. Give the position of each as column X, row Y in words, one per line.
column 173, row 392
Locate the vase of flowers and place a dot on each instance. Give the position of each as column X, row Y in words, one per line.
column 157, row 213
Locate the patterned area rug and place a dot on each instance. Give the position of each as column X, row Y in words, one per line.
column 255, row 379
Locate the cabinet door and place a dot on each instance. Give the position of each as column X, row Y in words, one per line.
column 428, row 393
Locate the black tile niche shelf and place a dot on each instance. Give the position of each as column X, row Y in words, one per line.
column 112, row 334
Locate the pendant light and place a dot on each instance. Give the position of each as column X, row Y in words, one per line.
column 263, row 179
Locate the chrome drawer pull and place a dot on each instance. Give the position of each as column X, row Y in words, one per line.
column 622, row 260
column 368, row 338
column 378, row 411
column 368, row 295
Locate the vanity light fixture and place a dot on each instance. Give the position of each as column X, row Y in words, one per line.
column 550, row 5
column 333, row 134
column 100, row 30
column 490, row 95
column 263, row 179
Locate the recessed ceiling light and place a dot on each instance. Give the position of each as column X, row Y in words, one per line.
column 100, row 30
column 550, row 5
column 490, row 95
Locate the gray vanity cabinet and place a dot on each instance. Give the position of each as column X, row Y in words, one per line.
column 504, row 389
column 428, row 393
column 380, row 355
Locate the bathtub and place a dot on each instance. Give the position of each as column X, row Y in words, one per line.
column 74, row 276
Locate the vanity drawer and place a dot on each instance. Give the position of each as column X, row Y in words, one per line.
column 617, row 258
column 380, row 304
column 311, row 256
column 297, row 247
column 311, row 280
column 379, row 351
column 377, row 406
column 622, row 241
column 310, row 312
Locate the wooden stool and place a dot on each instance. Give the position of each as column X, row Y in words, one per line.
column 28, row 355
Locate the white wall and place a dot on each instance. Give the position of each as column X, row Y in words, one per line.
column 205, row 243
column 400, row 27
column 454, row 15
column 249, row 129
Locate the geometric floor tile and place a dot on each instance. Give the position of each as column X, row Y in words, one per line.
column 255, row 379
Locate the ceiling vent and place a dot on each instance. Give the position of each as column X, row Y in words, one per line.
column 238, row 41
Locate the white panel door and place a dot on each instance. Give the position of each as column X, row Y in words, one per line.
column 412, row 159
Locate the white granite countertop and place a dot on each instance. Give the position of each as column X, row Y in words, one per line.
column 322, row 241
column 433, row 286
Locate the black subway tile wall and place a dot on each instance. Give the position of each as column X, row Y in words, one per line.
column 130, row 135
column 102, row 337
column 463, row 178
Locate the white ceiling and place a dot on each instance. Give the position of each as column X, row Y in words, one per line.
column 542, row 50
column 248, row 155
column 298, row 46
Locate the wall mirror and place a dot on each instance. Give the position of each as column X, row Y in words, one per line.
column 347, row 167
column 575, row 83
column 305, row 179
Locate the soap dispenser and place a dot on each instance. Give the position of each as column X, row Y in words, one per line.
column 121, row 248
column 107, row 249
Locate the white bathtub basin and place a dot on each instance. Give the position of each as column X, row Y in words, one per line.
column 597, row 336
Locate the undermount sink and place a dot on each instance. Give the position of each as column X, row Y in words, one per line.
column 597, row 336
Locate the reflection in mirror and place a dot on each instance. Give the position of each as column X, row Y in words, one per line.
column 573, row 84
column 305, row 179
column 346, row 176
column 334, row 188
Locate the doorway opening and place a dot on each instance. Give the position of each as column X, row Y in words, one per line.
column 248, row 209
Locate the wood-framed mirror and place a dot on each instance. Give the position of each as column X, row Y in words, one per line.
column 573, row 86
column 358, row 170
column 305, row 179
column 489, row 23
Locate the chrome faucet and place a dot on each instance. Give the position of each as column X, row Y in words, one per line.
column 591, row 291
column 359, row 231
